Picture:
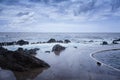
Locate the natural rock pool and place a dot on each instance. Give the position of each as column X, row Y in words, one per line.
column 109, row 57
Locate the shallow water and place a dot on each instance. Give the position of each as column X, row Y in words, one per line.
column 109, row 57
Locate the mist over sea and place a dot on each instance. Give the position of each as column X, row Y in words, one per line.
column 74, row 37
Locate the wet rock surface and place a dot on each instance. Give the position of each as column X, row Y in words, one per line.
column 19, row 61
column 51, row 40
column 26, row 51
column 67, row 41
column 104, row 43
column 116, row 41
column 58, row 48
column 19, row 42
column 22, row 42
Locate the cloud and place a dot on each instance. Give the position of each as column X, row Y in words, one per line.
column 17, row 13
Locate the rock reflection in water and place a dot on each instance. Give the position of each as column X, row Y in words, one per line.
column 28, row 75
column 57, row 53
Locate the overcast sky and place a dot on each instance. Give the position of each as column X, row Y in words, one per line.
column 59, row 15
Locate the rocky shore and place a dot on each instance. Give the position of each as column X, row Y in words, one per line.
column 24, row 42
column 20, row 60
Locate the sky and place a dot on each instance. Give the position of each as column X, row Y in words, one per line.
column 59, row 15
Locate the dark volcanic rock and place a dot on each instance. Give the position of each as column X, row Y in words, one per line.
column 7, row 43
column 25, row 51
column 114, row 42
column 18, row 61
column 98, row 63
column 22, row 42
column 104, row 43
column 51, row 40
column 67, row 41
column 58, row 48
column 60, row 41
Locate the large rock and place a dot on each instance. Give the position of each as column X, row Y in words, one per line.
column 51, row 40
column 22, row 42
column 58, row 48
column 17, row 61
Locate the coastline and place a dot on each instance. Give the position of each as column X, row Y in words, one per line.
column 74, row 63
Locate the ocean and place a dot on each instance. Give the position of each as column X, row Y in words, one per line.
column 74, row 37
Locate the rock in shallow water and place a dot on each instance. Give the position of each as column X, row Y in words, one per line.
column 25, row 51
column 67, row 41
column 58, row 47
column 22, row 42
column 51, row 40
column 104, row 43
column 17, row 61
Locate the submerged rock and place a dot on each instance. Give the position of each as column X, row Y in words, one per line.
column 19, row 61
column 22, row 42
column 58, row 48
column 104, row 43
column 51, row 40
column 47, row 51
column 75, row 47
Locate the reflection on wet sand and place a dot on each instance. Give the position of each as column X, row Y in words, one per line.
column 28, row 75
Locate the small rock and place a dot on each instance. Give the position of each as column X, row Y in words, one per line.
column 114, row 42
column 58, row 47
column 51, row 40
column 22, row 42
column 25, row 51
column 104, row 43
column 47, row 51
column 67, row 41
column 98, row 63
column 60, row 41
